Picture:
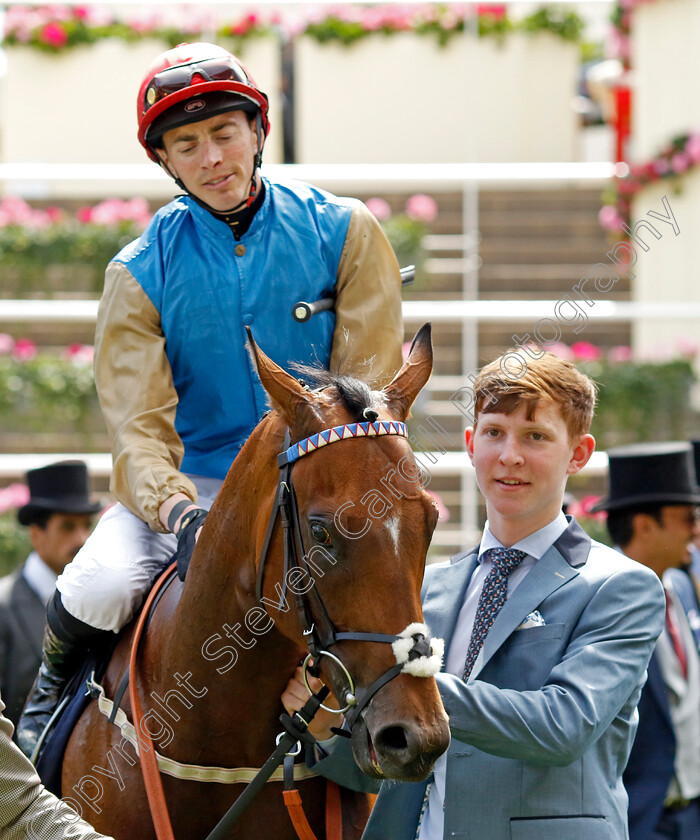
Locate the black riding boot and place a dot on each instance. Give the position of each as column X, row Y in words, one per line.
column 65, row 641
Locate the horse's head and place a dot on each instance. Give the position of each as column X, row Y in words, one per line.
column 361, row 523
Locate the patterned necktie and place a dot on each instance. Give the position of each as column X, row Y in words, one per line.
column 676, row 637
column 493, row 597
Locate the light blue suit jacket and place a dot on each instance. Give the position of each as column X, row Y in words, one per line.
column 542, row 731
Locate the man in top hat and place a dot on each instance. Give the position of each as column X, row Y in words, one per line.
column 651, row 517
column 59, row 518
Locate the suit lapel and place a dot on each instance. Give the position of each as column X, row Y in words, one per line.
column 550, row 572
column 444, row 595
column 29, row 613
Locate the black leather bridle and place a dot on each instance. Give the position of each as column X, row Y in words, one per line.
column 316, row 625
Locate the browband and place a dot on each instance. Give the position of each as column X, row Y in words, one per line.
column 350, row 430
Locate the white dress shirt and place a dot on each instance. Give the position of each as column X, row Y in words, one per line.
column 535, row 546
column 38, row 575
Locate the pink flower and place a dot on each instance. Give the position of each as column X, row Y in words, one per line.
column 581, row 509
column 54, row 35
column 79, row 354
column 421, row 208
column 24, row 349
column 661, row 166
column 13, row 496
column 584, row 351
column 112, row 211
column 692, row 148
column 680, row 162
column 661, row 352
column 687, row 348
column 443, row 511
column 621, row 353
column 563, row 351
column 609, row 218
column 380, row 208
column 6, row 344
column 84, row 215
column 54, row 214
column 492, row 10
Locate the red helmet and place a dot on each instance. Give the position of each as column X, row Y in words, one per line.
column 194, row 71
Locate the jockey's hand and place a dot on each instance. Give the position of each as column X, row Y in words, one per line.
column 295, row 696
column 187, row 534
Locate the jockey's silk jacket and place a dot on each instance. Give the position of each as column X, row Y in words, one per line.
column 176, row 384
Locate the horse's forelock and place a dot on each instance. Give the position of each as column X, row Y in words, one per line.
column 355, row 394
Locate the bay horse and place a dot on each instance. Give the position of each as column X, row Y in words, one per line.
column 217, row 657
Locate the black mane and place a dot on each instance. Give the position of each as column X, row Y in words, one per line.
column 355, row 394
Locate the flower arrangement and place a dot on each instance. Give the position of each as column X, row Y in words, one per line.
column 639, row 398
column 39, row 247
column 405, row 231
column 619, row 43
column 680, row 156
column 45, row 393
column 55, row 28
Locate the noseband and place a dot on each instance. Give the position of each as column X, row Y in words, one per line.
column 415, row 652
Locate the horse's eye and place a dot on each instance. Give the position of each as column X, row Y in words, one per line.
column 320, row 534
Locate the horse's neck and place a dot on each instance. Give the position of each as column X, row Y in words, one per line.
column 217, row 632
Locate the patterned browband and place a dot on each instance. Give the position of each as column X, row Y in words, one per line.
column 351, row 430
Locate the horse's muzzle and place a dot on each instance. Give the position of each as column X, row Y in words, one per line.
column 389, row 745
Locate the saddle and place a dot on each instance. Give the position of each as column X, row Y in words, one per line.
column 74, row 700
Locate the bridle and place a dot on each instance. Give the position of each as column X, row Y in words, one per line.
column 415, row 651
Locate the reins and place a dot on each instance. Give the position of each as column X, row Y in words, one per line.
column 294, row 733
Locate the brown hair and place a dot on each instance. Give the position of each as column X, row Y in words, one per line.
column 516, row 378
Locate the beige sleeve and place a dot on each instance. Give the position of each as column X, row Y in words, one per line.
column 369, row 325
column 27, row 810
column 138, row 399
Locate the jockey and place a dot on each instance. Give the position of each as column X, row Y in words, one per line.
column 177, row 388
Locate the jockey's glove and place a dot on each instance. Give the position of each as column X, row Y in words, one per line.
column 186, row 533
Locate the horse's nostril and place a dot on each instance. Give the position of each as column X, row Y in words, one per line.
column 392, row 738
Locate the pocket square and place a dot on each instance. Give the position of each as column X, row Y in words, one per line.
column 533, row 620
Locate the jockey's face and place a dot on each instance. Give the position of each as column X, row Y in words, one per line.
column 214, row 158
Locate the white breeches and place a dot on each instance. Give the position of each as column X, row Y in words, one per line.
column 109, row 577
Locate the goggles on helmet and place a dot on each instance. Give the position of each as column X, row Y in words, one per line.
column 172, row 79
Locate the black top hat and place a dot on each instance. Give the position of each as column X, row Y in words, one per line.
column 60, row 488
column 649, row 474
column 696, row 456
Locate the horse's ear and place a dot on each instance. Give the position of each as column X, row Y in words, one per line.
column 288, row 395
column 416, row 370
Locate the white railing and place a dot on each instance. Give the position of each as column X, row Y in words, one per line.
column 50, row 180
column 443, row 311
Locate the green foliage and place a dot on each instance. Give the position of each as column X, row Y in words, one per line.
column 442, row 23
column 54, row 33
column 595, row 528
column 640, row 401
column 30, row 256
column 14, row 543
column 48, row 393
column 564, row 24
column 406, row 238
